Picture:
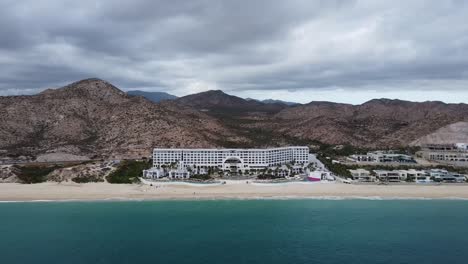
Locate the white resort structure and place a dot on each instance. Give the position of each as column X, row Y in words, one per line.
column 411, row 175
column 362, row 175
column 238, row 161
column 382, row 157
column 445, row 153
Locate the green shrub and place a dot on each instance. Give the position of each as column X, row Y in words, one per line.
column 337, row 168
column 128, row 171
column 34, row 173
column 86, row 179
column 268, row 177
column 204, row 177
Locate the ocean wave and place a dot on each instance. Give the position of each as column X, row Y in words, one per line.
column 286, row 197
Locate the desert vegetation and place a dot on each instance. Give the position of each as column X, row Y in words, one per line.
column 128, row 171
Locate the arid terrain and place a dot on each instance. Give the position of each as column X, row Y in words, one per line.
column 92, row 119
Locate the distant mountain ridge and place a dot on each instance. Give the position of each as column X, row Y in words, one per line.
column 93, row 118
column 217, row 100
column 153, row 96
column 376, row 123
column 273, row 101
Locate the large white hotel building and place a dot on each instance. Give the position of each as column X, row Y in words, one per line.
column 232, row 159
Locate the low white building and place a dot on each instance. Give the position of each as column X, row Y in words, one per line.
column 179, row 172
column 390, row 175
column 382, row 157
column 319, row 175
column 451, row 156
column 154, row 173
column 360, row 158
column 362, row 175
column 440, row 175
column 413, row 175
column 462, row 146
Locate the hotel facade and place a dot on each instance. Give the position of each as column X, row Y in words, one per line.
column 234, row 160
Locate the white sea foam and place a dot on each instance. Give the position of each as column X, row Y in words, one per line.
column 286, row 197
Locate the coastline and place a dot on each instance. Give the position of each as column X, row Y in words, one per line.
column 51, row 191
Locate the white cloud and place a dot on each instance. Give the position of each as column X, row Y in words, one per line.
column 294, row 49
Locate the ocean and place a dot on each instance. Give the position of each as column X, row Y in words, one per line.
column 235, row 231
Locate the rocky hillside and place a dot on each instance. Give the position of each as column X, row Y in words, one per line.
column 453, row 133
column 154, row 97
column 92, row 118
column 219, row 103
column 377, row 123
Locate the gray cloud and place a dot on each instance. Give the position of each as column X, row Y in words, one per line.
column 239, row 46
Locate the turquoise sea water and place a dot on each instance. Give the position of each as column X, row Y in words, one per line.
column 235, row 231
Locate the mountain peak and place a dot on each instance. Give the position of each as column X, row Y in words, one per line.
column 273, row 101
column 91, row 87
column 211, row 98
column 214, row 92
column 385, row 101
column 219, row 101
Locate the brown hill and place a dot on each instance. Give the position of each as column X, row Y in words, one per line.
column 217, row 103
column 92, row 118
column 95, row 119
column 377, row 123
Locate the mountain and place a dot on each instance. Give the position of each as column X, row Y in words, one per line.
column 377, row 123
column 92, row 118
column 217, row 102
column 153, row 96
column 273, row 101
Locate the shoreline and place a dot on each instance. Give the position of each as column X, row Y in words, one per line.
column 73, row 192
column 273, row 198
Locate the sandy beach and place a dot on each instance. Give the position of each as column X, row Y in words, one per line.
column 240, row 190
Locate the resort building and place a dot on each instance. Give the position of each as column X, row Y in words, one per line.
column 440, row 175
column 279, row 171
column 390, row 176
column 448, row 153
column 154, row 173
column 360, row 158
column 362, row 175
column 382, row 157
column 172, row 172
column 419, row 176
column 413, row 175
column 461, row 146
column 452, row 156
column 319, row 175
column 446, row 147
column 232, row 160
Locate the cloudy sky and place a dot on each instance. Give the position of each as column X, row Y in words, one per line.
column 297, row 50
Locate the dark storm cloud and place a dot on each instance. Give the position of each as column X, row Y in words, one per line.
column 238, row 46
